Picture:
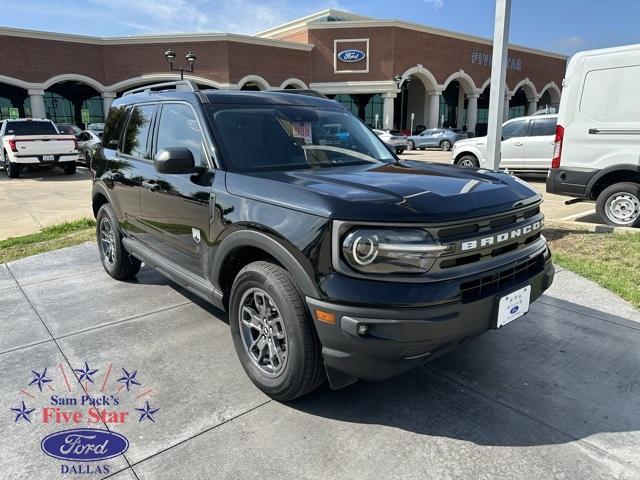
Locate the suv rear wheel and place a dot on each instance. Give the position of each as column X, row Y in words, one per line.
column 272, row 333
column 619, row 205
column 69, row 169
column 117, row 262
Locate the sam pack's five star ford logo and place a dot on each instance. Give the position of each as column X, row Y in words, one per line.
column 91, row 400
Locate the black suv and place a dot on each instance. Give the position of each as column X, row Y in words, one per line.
column 333, row 258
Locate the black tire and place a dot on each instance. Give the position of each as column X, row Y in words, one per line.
column 69, row 169
column 13, row 170
column 468, row 161
column 445, row 145
column 121, row 264
column 627, row 195
column 399, row 151
column 411, row 145
column 303, row 370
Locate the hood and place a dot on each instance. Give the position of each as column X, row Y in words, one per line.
column 403, row 192
column 471, row 141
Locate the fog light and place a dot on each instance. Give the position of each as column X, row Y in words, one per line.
column 363, row 329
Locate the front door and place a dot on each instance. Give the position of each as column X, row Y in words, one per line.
column 513, row 139
column 175, row 207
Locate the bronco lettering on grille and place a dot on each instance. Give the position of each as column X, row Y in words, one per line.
column 500, row 237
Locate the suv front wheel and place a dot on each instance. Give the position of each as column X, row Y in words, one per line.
column 619, row 204
column 117, row 262
column 272, row 333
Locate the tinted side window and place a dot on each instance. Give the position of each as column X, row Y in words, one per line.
column 136, row 135
column 514, row 129
column 179, row 128
column 543, row 126
column 113, row 127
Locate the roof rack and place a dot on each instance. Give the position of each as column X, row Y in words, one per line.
column 179, row 85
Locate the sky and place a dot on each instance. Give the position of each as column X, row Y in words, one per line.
column 563, row 26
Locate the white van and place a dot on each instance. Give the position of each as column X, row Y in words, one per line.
column 597, row 147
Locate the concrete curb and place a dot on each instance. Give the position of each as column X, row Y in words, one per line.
column 588, row 227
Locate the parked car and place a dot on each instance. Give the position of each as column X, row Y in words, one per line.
column 36, row 142
column 96, row 127
column 597, row 142
column 398, row 142
column 332, row 260
column 527, row 145
column 69, row 129
column 87, row 141
column 442, row 138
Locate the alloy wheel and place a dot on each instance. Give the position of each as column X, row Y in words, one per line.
column 107, row 241
column 263, row 332
column 445, row 146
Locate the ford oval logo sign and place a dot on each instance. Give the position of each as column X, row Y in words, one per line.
column 351, row 55
column 514, row 309
column 84, row 445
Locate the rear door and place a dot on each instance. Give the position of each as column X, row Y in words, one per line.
column 175, row 207
column 129, row 162
column 539, row 143
column 513, row 138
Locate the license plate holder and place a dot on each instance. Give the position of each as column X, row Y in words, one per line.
column 513, row 306
column 48, row 158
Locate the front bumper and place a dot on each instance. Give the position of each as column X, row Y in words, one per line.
column 399, row 339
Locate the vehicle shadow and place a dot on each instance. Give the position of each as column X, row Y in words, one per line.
column 549, row 378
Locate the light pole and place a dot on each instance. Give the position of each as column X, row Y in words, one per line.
column 401, row 86
column 190, row 57
column 498, row 85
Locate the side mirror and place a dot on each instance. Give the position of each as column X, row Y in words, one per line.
column 174, row 161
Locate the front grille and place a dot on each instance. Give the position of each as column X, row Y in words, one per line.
column 457, row 237
column 512, row 275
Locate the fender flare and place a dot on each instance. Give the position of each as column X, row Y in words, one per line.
column 608, row 170
column 100, row 188
column 274, row 247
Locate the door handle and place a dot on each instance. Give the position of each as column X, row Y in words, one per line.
column 151, row 186
column 518, row 144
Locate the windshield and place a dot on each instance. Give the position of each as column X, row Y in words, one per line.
column 272, row 137
column 30, row 128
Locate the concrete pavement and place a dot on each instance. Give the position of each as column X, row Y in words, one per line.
column 552, row 395
column 42, row 197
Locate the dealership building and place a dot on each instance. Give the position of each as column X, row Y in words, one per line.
column 391, row 73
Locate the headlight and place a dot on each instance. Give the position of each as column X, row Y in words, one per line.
column 387, row 251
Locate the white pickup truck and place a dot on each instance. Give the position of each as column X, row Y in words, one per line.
column 35, row 143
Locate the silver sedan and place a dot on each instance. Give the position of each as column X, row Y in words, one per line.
column 442, row 138
column 86, row 141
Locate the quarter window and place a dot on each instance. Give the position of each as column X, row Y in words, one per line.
column 136, row 137
column 179, row 128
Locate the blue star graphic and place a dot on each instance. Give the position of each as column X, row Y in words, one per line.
column 23, row 412
column 39, row 378
column 129, row 378
column 147, row 412
column 85, row 374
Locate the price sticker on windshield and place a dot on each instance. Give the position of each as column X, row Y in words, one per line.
column 302, row 130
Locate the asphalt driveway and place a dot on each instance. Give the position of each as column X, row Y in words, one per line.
column 552, row 395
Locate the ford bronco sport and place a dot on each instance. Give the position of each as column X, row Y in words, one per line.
column 333, row 258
